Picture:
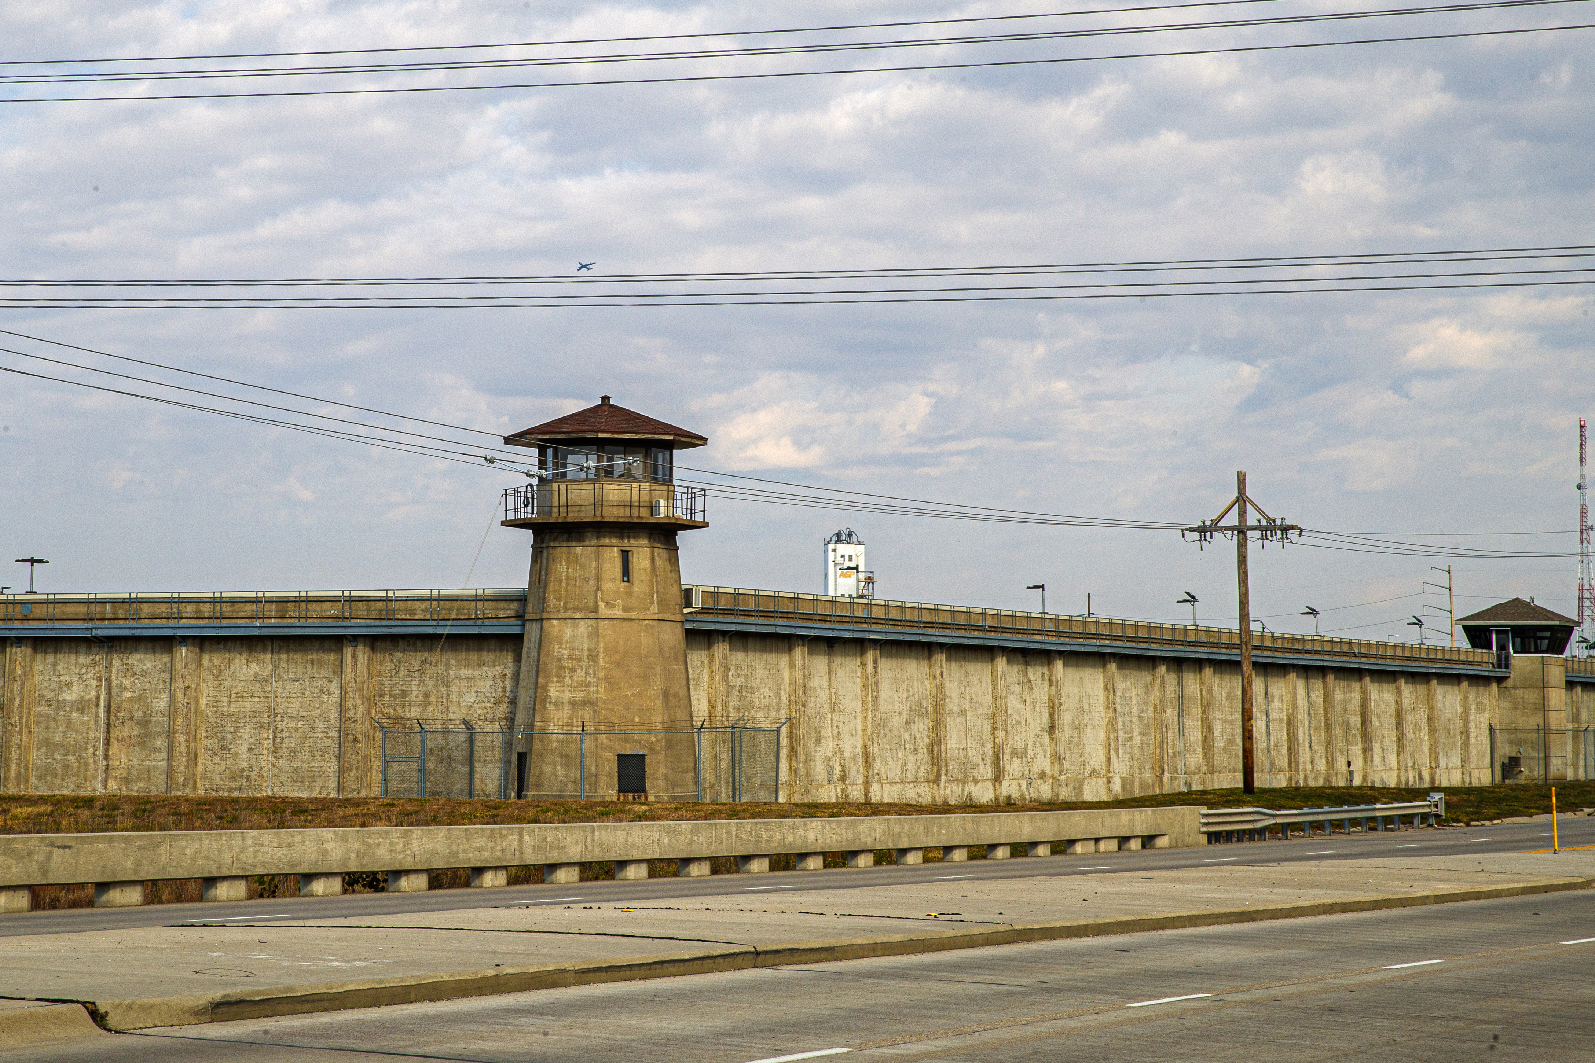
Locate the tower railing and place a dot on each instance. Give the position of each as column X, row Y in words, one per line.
column 605, row 500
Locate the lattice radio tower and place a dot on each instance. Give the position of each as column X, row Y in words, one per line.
column 1586, row 573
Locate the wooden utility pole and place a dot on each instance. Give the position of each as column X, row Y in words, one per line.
column 1268, row 529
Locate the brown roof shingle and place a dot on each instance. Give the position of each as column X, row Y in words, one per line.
column 605, row 421
column 1517, row 611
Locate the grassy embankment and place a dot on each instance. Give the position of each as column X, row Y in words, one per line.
column 73, row 813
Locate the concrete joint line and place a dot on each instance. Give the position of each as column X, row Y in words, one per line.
column 299, row 1000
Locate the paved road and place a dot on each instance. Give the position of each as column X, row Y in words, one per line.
column 1495, row 980
column 1445, row 841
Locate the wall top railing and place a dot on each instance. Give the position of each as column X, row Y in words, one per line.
column 263, row 608
column 1581, row 666
column 874, row 614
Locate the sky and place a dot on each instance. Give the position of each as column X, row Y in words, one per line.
column 1446, row 416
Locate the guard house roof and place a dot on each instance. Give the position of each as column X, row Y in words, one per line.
column 1517, row 612
column 605, row 421
column 1531, row 628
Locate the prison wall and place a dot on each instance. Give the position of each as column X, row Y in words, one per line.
column 290, row 715
column 880, row 720
column 863, row 718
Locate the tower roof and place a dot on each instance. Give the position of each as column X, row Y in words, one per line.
column 1517, row 611
column 605, row 421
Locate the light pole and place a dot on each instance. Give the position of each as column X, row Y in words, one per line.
column 1310, row 611
column 1190, row 600
column 1417, row 622
column 1042, row 587
column 31, row 562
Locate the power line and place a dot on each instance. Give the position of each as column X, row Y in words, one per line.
column 1561, row 276
column 745, row 52
column 771, row 75
column 636, row 39
column 769, row 491
column 1198, row 265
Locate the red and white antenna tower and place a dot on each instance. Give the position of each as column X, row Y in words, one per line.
column 1586, row 574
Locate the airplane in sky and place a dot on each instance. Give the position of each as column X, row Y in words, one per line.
column 584, row 265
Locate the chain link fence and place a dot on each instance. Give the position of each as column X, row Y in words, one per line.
column 736, row 763
column 1538, row 754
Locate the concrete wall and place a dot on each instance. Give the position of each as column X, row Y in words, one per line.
column 228, row 715
column 873, row 720
column 869, row 719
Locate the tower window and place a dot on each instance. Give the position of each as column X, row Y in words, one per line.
column 625, row 566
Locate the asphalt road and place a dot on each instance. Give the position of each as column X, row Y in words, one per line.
column 1496, row 980
column 1442, row 841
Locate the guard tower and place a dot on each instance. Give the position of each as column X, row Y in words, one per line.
column 605, row 651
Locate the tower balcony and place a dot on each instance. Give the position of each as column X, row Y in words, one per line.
column 605, row 502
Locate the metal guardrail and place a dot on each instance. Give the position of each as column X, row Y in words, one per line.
column 785, row 607
column 265, row 607
column 598, row 500
column 1254, row 824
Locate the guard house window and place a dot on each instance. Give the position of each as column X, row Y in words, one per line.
column 625, row 566
column 660, row 460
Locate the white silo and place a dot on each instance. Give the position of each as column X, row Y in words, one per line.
column 845, row 572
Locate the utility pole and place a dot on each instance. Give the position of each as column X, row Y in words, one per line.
column 32, row 563
column 1586, row 569
column 1450, row 601
column 1268, row 529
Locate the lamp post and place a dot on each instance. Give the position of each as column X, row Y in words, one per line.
column 1310, row 611
column 31, row 562
column 1417, row 622
column 1042, row 587
column 1190, row 600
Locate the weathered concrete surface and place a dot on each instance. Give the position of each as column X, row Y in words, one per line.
column 186, row 974
column 45, row 859
column 870, row 719
column 24, row 1023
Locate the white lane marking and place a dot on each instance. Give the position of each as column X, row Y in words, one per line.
column 1221, row 859
column 1415, row 963
column 241, row 918
column 1167, row 1000
column 546, row 900
column 944, row 877
column 804, row 1055
column 1409, row 845
column 1324, row 852
column 1579, row 941
column 752, row 888
column 1481, row 839
column 1102, row 868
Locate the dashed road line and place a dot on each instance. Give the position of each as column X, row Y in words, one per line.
column 1414, row 963
column 1167, row 1000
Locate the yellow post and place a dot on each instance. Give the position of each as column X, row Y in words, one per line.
column 1555, row 841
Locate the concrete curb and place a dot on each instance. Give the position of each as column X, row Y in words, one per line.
column 338, row 996
column 45, row 1024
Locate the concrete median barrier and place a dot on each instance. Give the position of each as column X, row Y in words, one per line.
column 118, row 864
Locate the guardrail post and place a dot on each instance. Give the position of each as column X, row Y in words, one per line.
column 997, row 852
column 860, row 858
column 753, row 865
column 15, row 899
column 630, row 870
column 954, row 854
column 562, row 872
column 232, row 888
column 910, row 856
column 320, row 885
column 489, row 877
column 1034, row 849
column 408, row 882
column 686, row 867
column 118, row 894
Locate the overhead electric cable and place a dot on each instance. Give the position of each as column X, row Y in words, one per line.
column 744, row 52
column 778, row 492
column 770, row 75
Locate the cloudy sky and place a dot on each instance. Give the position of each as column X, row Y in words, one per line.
column 1411, row 412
